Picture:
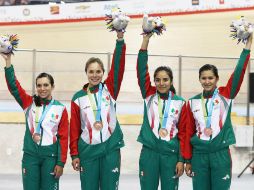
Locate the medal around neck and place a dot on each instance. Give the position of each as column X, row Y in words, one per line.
column 208, row 115
column 163, row 132
column 241, row 29
column 8, row 43
column 153, row 25
column 208, row 132
column 98, row 125
column 117, row 20
column 36, row 137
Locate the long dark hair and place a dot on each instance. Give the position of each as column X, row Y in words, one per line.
column 37, row 99
column 209, row 67
column 169, row 72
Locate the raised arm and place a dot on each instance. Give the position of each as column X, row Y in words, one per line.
column 23, row 99
column 235, row 81
column 115, row 75
column 144, row 81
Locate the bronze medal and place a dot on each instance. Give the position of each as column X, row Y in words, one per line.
column 36, row 137
column 163, row 132
column 98, row 125
column 208, row 131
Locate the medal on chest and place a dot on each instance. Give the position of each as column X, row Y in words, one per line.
column 36, row 137
column 96, row 106
column 208, row 131
column 38, row 121
column 98, row 125
column 163, row 132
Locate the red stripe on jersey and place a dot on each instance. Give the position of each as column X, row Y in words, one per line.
column 152, row 117
column 63, row 134
column 90, row 130
column 75, row 128
column 242, row 75
column 30, row 117
column 110, row 81
column 190, row 131
column 226, row 91
column 172, row 131
column 108, row 120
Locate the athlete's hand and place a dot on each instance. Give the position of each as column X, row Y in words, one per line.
column 146, row 37
column 58, row 171
column 145, row 42
column 120, row 35
column 188, row 170
column 7, row 58
column 76, row 164
column 179, row 169
column 249, row 42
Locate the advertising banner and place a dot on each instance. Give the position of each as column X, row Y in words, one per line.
column 98, row 9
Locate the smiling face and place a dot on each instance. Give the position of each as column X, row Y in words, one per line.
column 208, row 80
column 162, row 82
column 94, row 74
column 44, row 88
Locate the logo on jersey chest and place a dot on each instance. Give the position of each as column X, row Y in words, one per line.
column 216, row 102
column 174, row 111
column 54, row 117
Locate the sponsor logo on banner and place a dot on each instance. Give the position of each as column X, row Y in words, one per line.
column 26, row 12
column 195, row 2
column 54, row 10
column 109, row 7
column 98, row 9
column 81, row 8
column 221, row 2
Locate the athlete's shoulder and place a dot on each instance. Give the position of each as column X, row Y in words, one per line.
column 79, row 94
column 198, row 96
column 177, row 97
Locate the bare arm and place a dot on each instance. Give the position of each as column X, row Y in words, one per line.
column 145, row 41
column 235, row 81
column 23, row 99
column 7, row 59
column 249, row 42
column 115, row 75
column 143, row 76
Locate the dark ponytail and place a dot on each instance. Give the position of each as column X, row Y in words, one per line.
column 37, row 100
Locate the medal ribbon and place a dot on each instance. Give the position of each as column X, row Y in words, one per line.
column 163, row 120
column 39, row 121
column 96, row 107
column 208, row 115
